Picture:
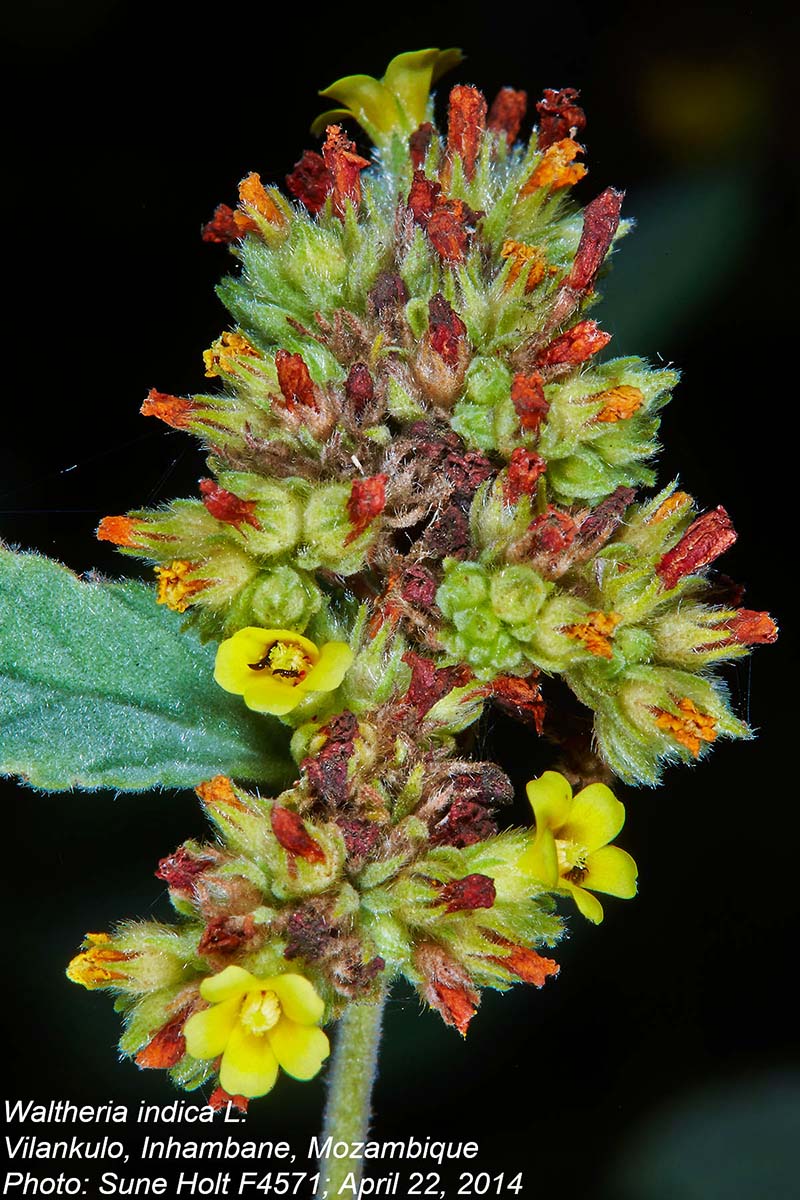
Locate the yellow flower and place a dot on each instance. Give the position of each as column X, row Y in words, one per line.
column 571, row 851
column 274, row 669
column 258, row 1025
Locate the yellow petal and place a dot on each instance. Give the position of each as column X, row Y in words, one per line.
column 372, row 105
column 233, row 981
column 334, row 661
column 588, row 905
column 299, row 998
column 611, row 870
column 408, row 77
column 231, row 669
column 300, row 1049
column 271, row 694
column 249, row 1066
column 540, row 860
column 551, row 798
column 595, row 818
column 207, row 1032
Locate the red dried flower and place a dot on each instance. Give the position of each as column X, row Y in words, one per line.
column 465, row 126
column 219, row 1098
column 600, row 223
column 167, row 1047
column 310, row 182
column 292, row 835
column 552, row 531
column 359, row 388
column 559, row 115
column 345, row 167
column 430, row 683
column 525, row 469
column 422, row 198
column 469, row 893
column 447, row 332
column 226, row 507
column 448, row 228
column 752, row 628
column 527, row 396
column 367, row 500
column 227, row 226
column 294, row 380
column 508, row 112
column 704, row 540
column 574, row 346
column 418, row 144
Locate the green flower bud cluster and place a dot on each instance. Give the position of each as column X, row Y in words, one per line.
column 491, row 615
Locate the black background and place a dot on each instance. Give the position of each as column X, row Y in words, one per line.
column 663, row 1061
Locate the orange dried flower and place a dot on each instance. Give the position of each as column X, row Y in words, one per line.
column 449, row 227
column 751, row 628
column 595, row 632
column 422, row 198
column 222, row 355
column 525, row 469
column 253, row 193
column 121, row 531
column 669, row 505
column 219, row 791
column 691, row 727
column 557, row 168
column 619, row 403
column 527, row 965
column 174, row 411
column 522, row 256
column 174, row 589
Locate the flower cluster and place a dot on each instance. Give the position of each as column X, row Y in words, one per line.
column 423, row 498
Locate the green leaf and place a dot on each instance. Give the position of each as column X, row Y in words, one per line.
column 100, row 688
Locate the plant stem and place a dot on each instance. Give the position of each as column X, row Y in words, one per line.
column 347, row 1112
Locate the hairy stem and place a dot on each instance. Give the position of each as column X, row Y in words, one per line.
column 347, row 1112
